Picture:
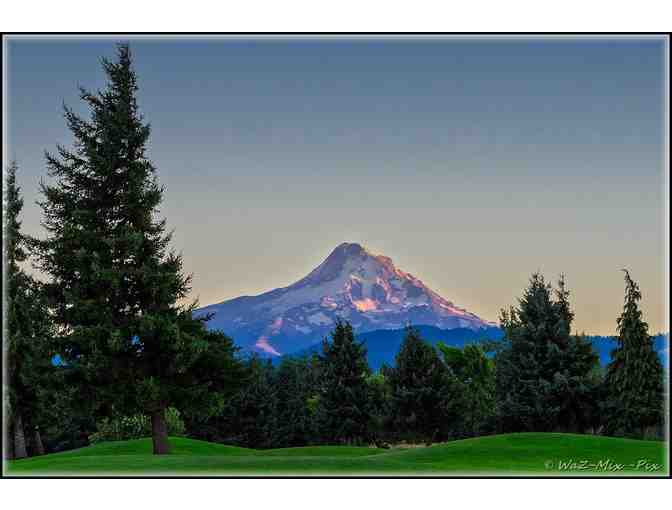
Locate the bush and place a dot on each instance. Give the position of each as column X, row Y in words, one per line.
column 134, row 427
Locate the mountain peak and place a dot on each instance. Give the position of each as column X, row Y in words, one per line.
column 352, row 284
column 345, row 254
column 348, row 250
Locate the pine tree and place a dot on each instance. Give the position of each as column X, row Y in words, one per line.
column 577, row 382
column 250, row 416
column 544, row 378
column 296, row 381
column 343, row 408
column 634, row 379
column 475, row 375
column 423, row 392
column 564, row 313
column 379, row 405
column 115, row 287
column 29, row 328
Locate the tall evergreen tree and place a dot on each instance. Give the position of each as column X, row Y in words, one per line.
column 115, row 287
column 634, row 379
column 475, row 374
column 29, row 332
column 423, row 392
column 296, row 380
column 564, row 313
column 343, row 412
column 578, row 380
column 379, row 405
column 544, row 374
column 250, row 417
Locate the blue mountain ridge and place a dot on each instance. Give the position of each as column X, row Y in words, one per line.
column 382, row 345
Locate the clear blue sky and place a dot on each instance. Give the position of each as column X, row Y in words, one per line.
column 470, row 162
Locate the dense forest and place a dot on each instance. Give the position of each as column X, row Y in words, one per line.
column 102, row 348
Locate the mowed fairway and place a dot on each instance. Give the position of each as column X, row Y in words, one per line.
column 507, row 454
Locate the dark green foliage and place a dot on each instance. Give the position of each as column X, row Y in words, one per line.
column 296, row 380
column 475, row 374
column 634, row 379
column 72, row 424
column 115, row 286
column 379, row 407
column 274, row 407
column 578, row 385
column 31, row 376
column 250, row 417
column 545, row 376
column 422, row 391
column 15, row 252
column 201, row 387
column 343, row 410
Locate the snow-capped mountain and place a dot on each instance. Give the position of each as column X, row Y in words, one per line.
column 352, row 284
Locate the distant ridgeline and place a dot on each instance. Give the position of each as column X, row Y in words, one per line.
column 383, row 345
column 603, row 345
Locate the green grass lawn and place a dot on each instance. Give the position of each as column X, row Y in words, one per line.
column 507, row 454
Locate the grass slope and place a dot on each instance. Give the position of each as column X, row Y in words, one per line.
column 515, row 454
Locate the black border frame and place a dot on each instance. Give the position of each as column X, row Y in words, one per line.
column 668, row 35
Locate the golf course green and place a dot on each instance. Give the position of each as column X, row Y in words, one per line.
column 539, row 454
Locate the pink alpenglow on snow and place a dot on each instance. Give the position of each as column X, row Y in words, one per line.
column 365, row 305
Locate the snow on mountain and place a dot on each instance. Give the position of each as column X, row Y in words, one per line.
column 352, row 284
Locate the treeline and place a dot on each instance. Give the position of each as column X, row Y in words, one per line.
column 102, row 348
column 540, row 377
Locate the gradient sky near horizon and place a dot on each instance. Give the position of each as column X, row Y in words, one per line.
column 470, row 162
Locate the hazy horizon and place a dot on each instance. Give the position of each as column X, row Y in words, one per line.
column 472, row 163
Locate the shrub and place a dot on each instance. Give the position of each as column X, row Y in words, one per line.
column 134, row 427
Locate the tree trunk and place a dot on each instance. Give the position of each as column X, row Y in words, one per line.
column 19, row 438
column 9, row 449
column 160, row 432
column 38, row 446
